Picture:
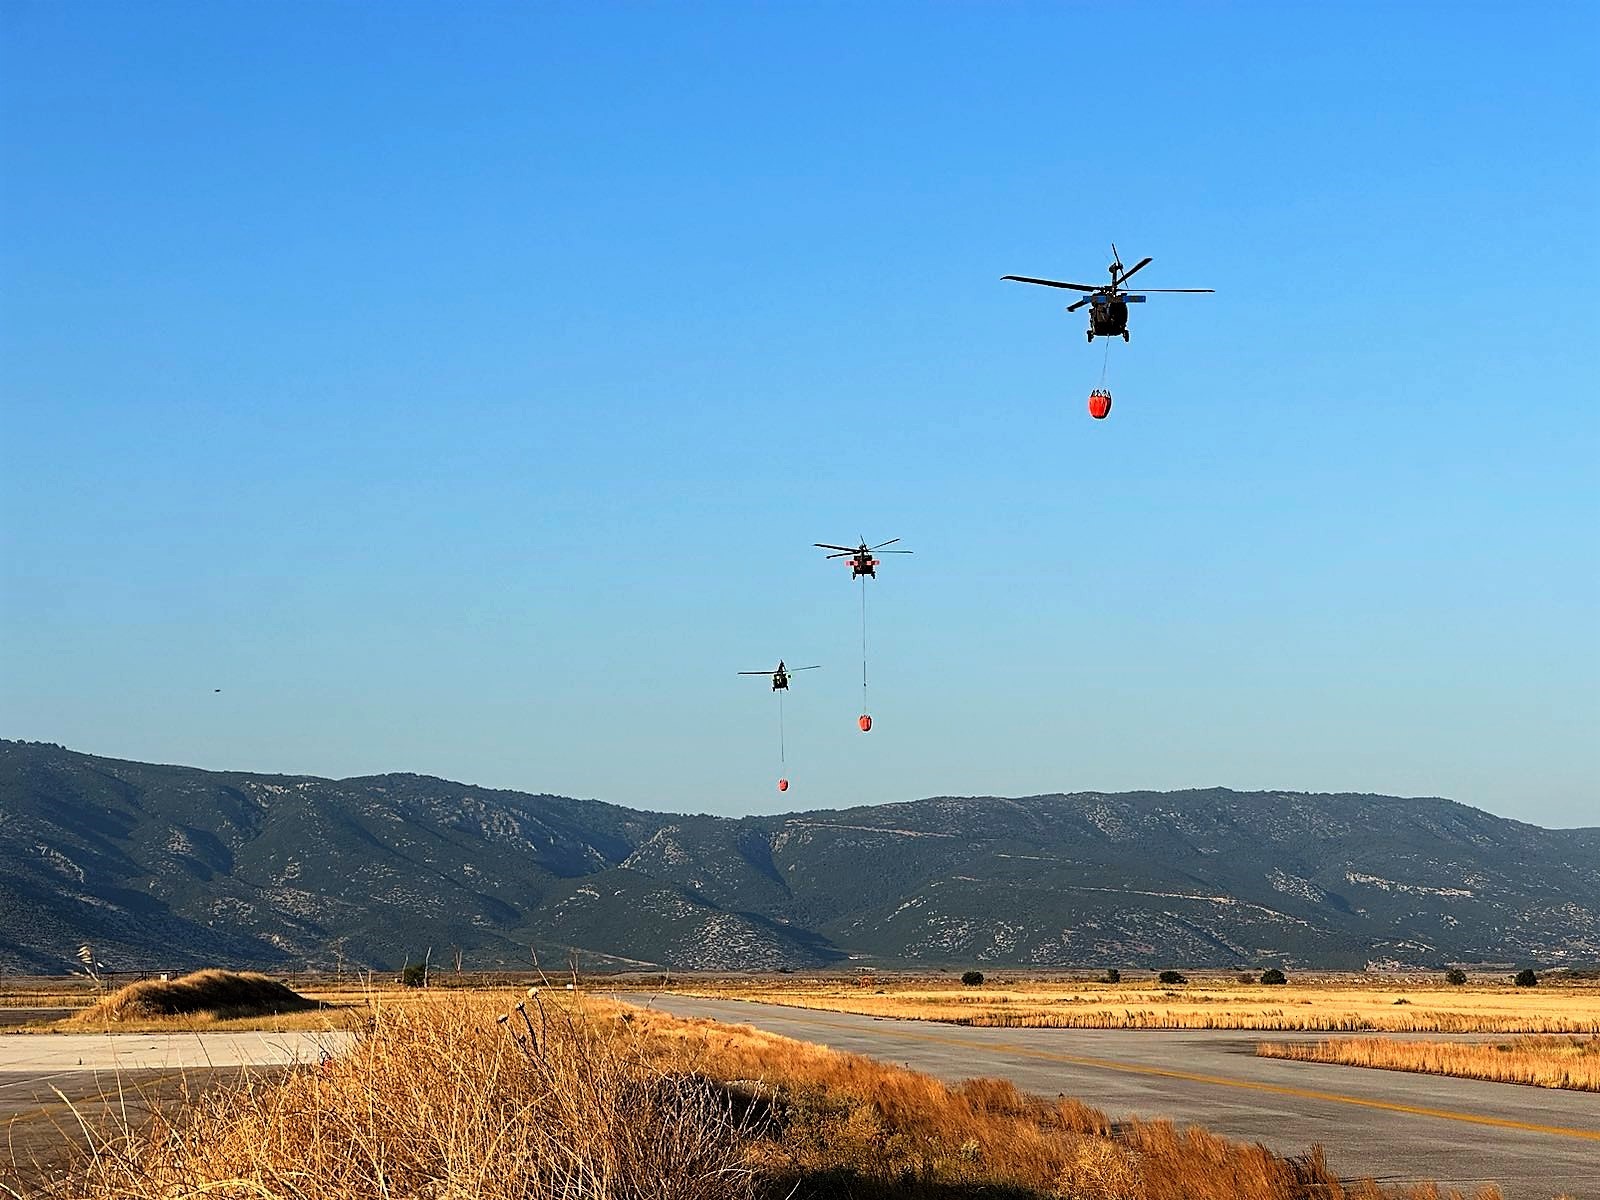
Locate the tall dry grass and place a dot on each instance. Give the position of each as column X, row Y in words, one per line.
column 1554, row 1062
column 608, row 1102
column 436, row 1100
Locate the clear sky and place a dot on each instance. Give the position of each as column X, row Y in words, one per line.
column 460, row 389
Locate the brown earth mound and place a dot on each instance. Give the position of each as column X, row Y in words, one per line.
column 212, row 992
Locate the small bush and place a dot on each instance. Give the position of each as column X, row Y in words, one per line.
column 972, row 978
column 1273, row 975
column 1526, row 978
column 414, row 974
column 1456, row 976
column 1113, row 975
column 1246, row 977
column 1172, row 977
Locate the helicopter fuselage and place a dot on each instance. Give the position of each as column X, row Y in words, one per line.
column 863, row 565
column 1108, row 320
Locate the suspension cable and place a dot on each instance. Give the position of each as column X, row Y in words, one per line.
column 863, row 643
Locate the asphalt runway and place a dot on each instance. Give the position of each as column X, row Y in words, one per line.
column 1391, row 1126
column 49, row 1081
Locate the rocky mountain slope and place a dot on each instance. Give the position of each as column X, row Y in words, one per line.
column 162, row 866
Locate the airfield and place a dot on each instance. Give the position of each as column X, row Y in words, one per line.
column 1392, row 1126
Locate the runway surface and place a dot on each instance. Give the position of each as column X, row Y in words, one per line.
column 1392, row 1126
column 113, row 1077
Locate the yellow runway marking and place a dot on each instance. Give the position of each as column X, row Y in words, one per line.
column 1279, row 1089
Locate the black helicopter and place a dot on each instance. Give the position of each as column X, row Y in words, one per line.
column 1108, row 306
column 780, row 677
column 861, row 560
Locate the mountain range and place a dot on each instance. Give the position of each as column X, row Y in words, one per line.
column 163, row 867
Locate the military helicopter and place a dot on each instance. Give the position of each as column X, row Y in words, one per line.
column 780, row 677
column 861, row 560
column 1108, row 306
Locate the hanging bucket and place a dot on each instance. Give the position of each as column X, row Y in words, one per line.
column 1099, row 404
column 783, row 785
column 865, row 722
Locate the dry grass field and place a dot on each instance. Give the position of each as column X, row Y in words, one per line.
column 457, row 1095
column 1337, row 1006
column 1555, row 1062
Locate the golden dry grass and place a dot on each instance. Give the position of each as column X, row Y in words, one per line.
column 1416, row 1006
column 1554, row 1062
column 443, row 1098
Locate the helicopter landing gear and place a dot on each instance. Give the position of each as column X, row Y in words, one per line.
column 1089, row 333
column 1124, row 335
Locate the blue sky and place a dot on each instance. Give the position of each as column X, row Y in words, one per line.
column 461, row 388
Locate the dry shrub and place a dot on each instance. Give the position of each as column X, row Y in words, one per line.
column 1555, row 1062
column 220, row 994
column 437, row 1100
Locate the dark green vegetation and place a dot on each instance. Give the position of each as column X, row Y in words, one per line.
column 1172, row 977
column 972, row 978
column 1273, row 976
column 1456, row 976
column 168, row 867
column 1526, row 978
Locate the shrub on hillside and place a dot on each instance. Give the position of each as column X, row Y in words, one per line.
column 1456, row 976
column 972, row 978
column 1113, row 975
column 414, row 974
column 1526, row 978
column 1273, row 975
column 1172, row 977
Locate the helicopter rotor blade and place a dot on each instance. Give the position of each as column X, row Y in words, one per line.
column 841, row 554
column 812, row 667
column 1172, row 290
column 899, row 551
column 1078, row 305
column 1143, row 262
column 826, row 546
column 1076, row 287
column 752, row 672
column 881, row 545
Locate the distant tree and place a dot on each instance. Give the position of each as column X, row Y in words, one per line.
column 414, row 974
column 1456, row 976
column 1113, row 975
column 1171, row 977
column 1273, row 975
column 1246, row 977
column 972, row 978
column 1526, row 978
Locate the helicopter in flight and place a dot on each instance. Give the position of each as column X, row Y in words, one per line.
column 860, row 558
column 1108, row 305
column 780, row 677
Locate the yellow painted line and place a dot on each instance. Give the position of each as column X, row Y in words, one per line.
column 1278, row 1089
